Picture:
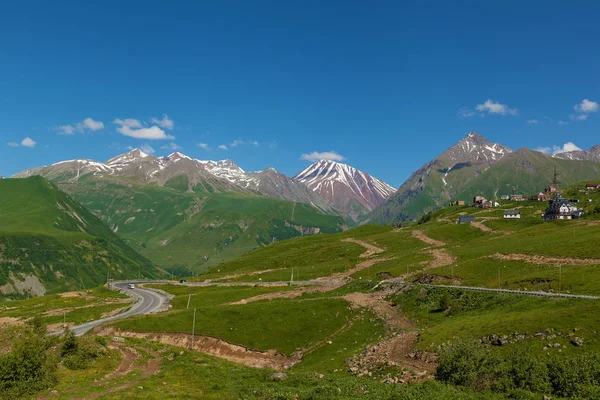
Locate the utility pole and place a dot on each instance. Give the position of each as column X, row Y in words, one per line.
column 559, row 275
column 193, row 328
column 189, row 299
column 498, row 278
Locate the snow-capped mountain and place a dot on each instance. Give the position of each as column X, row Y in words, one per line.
column 474, row 148
column 347, row 188
column 592, row 154
column 206, row 175
column 68, row 170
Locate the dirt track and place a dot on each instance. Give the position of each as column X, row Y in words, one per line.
column 542, row 260
column 235, row 276
column 371, row 249
column 441, row 258
column 424, row 238
column 401, row 338
column 213, row 346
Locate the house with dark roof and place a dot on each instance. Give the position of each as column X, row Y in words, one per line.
column 510, row 214
column 560, row 208
column 466, row 219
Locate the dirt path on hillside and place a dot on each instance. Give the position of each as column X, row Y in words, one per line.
column 128, row 358
column 341, row 277
column 424, row 238
column 213, row 346
column 10, row 321
column 235, row 276
column 371, row 249
column 292, row 294
column 61, row 311
column 482, row 227
column 441, row 258
column 540, row 260
column 396, row 349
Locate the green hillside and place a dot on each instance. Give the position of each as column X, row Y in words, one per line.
column 528, row 172
column 50, row 243
column 187, row 232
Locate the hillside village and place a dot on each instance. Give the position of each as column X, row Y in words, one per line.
column 558, row 207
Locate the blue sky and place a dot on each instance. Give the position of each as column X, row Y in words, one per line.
column 386, row 86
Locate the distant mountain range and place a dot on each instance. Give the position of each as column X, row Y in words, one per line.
column 187, row 214
column 592, row 154
column 472, row 166
column 330, row 187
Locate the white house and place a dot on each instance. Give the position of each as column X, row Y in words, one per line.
column 510, row 214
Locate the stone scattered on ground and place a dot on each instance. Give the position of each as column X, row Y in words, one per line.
column 279, row 376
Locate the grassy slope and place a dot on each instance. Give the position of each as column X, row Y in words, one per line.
column 188, row 231
column 191, row 375
column 530, row 172
column 497, row 314
column 45, row 233
column 78, row 309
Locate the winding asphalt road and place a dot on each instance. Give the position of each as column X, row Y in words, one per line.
column 148, row 302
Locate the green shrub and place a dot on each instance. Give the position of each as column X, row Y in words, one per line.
column 28, row 368
column 37, row 326
column 575, row 376
column 521, row 371
column 70, row 344
column 465, row 363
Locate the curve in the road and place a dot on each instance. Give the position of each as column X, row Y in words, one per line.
column 148, row 301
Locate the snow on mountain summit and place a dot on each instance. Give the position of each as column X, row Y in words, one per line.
column 347, row 188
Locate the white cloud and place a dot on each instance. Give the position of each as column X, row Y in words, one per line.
column 580, row 117
column 545, row 150
column 93, row 125
column 171, row 146
column 130, row 148
column 87, row 124
column 165, row 122
column 273, row 145
column 327, row 155
column 133, row 128
column 237, row 143
column 223, row 147
column 146, row 148
column 65, row 130
column 494, row 107
column 13, row 144
column 204, row 146
column 561, row 122
column 569, row 146
column 533, row 121
column 28, row 142
column 586, row 106
column 129, row 122
column 468, row 113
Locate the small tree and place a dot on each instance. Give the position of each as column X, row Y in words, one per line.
column 445, row 301
column 70, row 344
column 37, row 326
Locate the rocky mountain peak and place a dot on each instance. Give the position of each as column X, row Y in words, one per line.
column 475, row 148
column 130, row 156
column 345, row 187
